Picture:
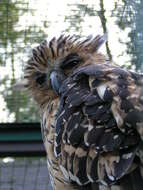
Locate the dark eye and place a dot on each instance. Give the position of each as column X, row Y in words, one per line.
column 70, row 61
column 40, row 78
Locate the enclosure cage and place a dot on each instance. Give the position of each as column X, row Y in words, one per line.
column 22, row 158
column 23, row 25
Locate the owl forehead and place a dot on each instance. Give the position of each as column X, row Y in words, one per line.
column 62, row 46
column 48, row 53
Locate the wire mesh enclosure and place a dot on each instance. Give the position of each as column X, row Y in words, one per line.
column 24, row 173
column 22, row 158
column 23, row 25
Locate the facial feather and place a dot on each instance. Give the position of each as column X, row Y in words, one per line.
column 60, row 55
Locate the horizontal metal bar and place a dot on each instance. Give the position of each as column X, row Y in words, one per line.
column 22, row 149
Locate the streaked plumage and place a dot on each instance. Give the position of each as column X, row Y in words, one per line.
column 91, row 112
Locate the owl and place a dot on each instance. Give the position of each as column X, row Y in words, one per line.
column 91, row 113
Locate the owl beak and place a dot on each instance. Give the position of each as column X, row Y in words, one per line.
column 56, row 80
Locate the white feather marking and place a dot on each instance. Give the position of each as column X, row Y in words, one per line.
column 86, row 143
column 128, row 124
column 64, row 141
column 101, row 90
column 117, row 116
column 103, row 182
column 55, row 152
column 84, row 126
column 116, row 136
column 99, row 126
column 76, row 126
column 72, row 177
column 76, row 113
column 55, row 143
column 127, row 156
column 79, row 183
column 70, row 106
column 48, row 164
column 60, row 114
column 77, row 180
column 86, row 183
column 65, row 172
column 90, row 127
column 90, row 179
column 112, row 178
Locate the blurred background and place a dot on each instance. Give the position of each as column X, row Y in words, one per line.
column 23, row 25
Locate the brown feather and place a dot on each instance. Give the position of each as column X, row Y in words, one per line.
column 93, row 127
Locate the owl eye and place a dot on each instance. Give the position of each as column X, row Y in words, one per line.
column 70, row 61
column 40, row 78
column 74, row 62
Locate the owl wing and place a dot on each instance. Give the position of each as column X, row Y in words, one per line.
column 99, row 124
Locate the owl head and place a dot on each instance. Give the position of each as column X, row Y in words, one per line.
column 52, row 62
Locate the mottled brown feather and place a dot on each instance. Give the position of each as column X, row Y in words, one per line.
column 93, row 127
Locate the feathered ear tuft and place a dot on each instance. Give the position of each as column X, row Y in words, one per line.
column 90, row 44
column 97, row 42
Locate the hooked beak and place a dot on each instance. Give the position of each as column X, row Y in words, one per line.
column 56, row 79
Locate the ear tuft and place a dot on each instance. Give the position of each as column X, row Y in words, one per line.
column 98, row 41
